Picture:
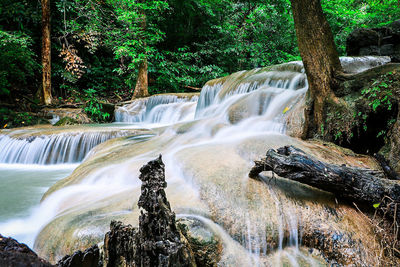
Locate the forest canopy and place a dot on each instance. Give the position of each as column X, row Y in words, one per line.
column 97, row 45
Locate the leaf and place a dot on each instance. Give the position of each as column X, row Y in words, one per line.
column 286, row 110
column 376, row 205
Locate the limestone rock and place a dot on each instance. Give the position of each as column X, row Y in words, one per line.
column 76, row 114
column 158, row 241
column 206, row 246
column 66, row 121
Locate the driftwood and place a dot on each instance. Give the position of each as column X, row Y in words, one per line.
column 196, row 89
column 363, row 186
column 387, row 169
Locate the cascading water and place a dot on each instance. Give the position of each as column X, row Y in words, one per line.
column 207, row 157
column 158, row 109
column 52, row 149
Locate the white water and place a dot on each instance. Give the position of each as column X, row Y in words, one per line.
column 243, row 106
column 164, row 109
column 52, row 149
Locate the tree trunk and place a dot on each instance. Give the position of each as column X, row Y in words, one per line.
column 46, row 53
column 364, row 186
column 142, row 83
column 320, row 59
column 141, row 89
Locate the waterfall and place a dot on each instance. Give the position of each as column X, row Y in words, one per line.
column 158, row 109
column 52, row 149
column 208, row 144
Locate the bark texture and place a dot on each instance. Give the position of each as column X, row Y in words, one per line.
column 46, row 53
column 142, row 83
column 362, row 186
column 320, row 59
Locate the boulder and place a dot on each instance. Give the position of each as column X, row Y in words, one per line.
column 76, row 114
column 66, row 121
column 14, row 254
column 383, row 41
column 89, row 258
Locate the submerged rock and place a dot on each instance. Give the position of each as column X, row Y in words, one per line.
column 14, row 254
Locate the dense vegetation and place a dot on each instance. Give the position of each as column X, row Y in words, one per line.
column 97, row 45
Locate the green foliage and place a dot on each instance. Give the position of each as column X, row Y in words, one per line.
column 17, row 61
column 344, row 16
column 379, row 94
column 11, row 119
column 93, row 107
column 97, row 45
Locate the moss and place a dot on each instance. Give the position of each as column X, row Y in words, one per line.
column 362, row 120
column 66, row 121
column 206, row 247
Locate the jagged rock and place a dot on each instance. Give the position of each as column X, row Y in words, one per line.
column 119, row 245
column 157, row 241
column 14, row 254
column 89, row 258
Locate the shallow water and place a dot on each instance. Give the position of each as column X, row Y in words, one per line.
column 31, row 183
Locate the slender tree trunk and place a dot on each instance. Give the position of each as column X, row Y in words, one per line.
column 46, row 53
column 141, row 89
column 320, row 59
column 142, row 83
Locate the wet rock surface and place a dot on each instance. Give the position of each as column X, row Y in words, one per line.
column 76, row 114
column 14, row 254
column 206, row 246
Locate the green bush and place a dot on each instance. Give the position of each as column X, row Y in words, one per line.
column 17, row 61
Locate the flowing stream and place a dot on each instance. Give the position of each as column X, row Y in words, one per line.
column 208, row 143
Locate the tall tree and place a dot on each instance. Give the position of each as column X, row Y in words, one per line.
column 46, row 53
column 320, row 59
column 142, row 83
column 135, row 43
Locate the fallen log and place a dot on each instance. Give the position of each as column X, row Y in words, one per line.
column 363, row 186
column 192, row 88
column 387, row 169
